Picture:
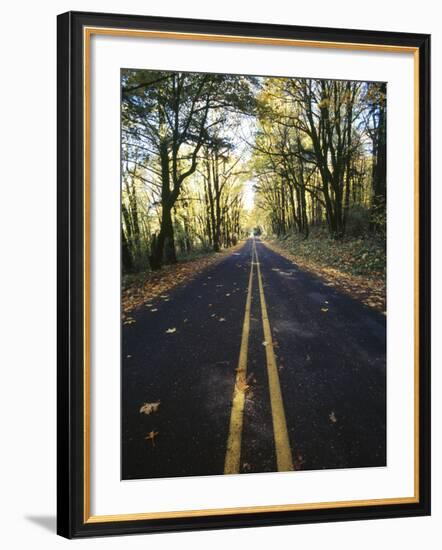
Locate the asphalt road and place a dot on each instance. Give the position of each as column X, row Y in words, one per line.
column 257, row 366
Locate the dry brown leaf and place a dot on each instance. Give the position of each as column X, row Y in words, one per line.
column 149, row 408
column 242, row 386
column 151, row 436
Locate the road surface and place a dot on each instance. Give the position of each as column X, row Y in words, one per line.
column 257, row 366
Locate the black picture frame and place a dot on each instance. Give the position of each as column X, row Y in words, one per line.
column 72, row 517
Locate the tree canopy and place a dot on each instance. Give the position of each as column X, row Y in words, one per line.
column 208, row 158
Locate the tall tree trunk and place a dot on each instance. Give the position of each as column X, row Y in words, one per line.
column 164, row 245
column 169, row 241
column 125, row 253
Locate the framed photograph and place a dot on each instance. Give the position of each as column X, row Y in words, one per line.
column 243, row 274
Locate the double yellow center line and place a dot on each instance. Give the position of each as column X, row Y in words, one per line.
column 282, row 445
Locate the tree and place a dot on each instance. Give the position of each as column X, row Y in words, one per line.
column 172, row 115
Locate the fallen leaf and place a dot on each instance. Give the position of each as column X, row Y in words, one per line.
column 221, row 319
column 228, row 294
column 242, row 386
column 152, row 435
column 148, row 408
column 324, row 309
column 332, row 417
column 170, row 330
column 154, row 309
column 265, row 343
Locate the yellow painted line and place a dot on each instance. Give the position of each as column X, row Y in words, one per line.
column 233, row 452
column 284, row 459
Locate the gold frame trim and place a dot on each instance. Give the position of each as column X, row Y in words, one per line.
column 87, row 33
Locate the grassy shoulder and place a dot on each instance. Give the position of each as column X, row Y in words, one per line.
column 355, row 266
column 140, row 288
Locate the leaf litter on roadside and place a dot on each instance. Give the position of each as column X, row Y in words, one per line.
column 143, row 288
column 129, row 321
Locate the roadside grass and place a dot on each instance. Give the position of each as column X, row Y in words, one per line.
column 355, row 265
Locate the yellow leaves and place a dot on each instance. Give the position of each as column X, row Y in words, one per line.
column 149, row 408
column 129, row 321
column 151, row 437
column 324, row 309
